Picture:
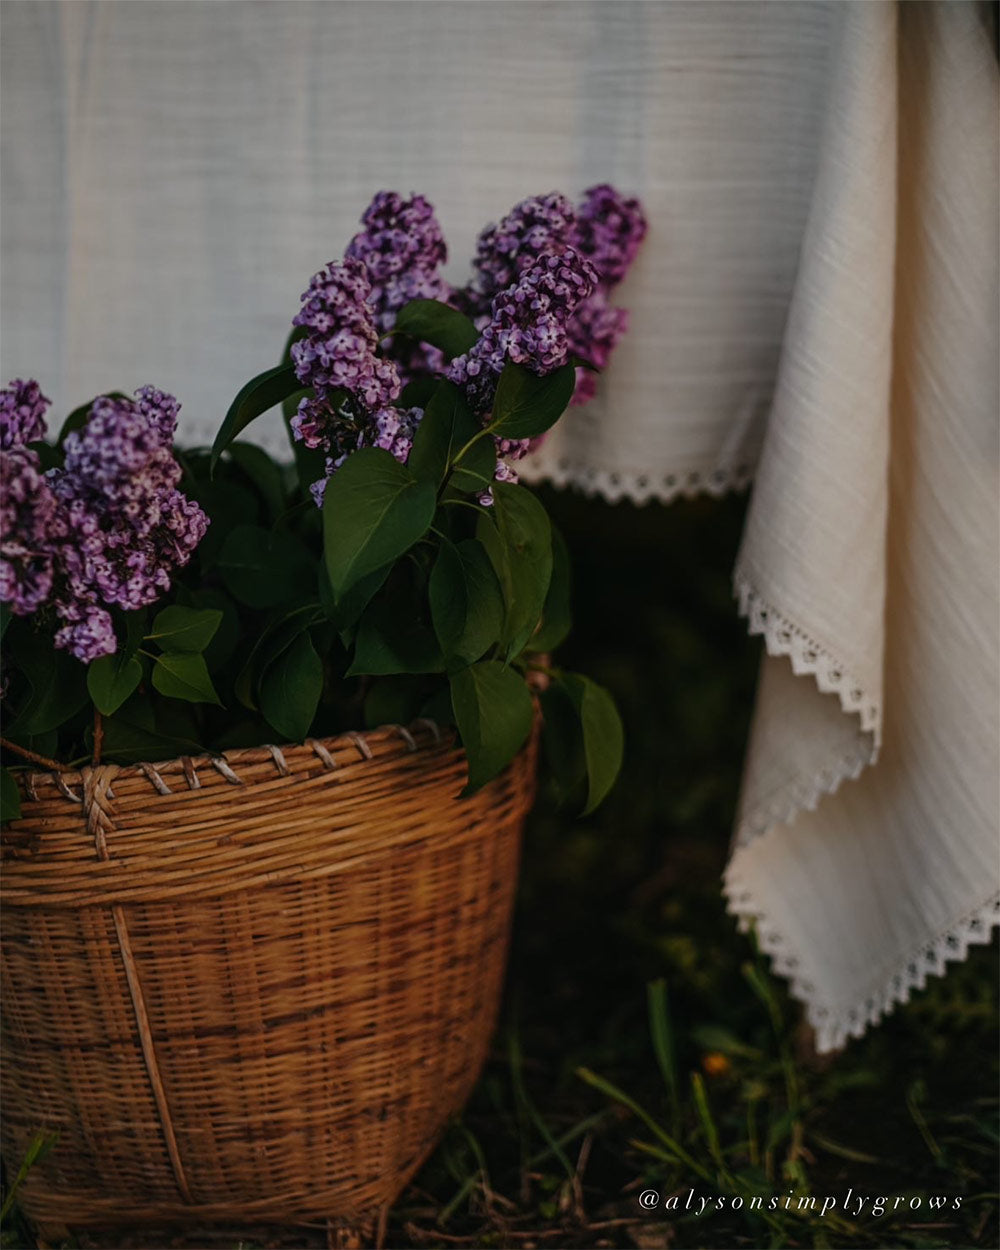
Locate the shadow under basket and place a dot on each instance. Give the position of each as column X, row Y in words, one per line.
column 251, row 988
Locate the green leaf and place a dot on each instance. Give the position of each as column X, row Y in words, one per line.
column 260, row 393
column 229, row 505
column 527, row 405
column 562, row 740
column 519, row 545
column 10, row 797
column 430, row 321
column 493, row 711
column 134, row 630
column 396, row 701
column 466, row 601
column 110, row 682
column 418, row 392
column 264, row 568
column 603, row 736
column 184, row 675
column 346, row 611
column 384, row 647
column 58, row 690
column 280, row 632
column 392, row 638
column 185, row 629
column 474, row 471
column 374, row 510
column 226, row 638
column 557, row 616
column 127, row 741
column 290, row 688
column 263, row 473
column 49, row 457
column 446, row 426
column 6, row 615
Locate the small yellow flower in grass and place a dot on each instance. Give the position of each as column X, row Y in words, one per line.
column 716, row 1064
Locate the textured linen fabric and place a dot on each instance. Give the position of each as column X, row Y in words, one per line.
column 814, row 305
column 870, row 556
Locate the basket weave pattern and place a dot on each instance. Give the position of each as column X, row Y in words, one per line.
column 253, row 987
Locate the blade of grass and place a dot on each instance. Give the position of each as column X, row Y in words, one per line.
column 663, row 1039
column 914, row 1096
column 521, row 1094
column 619, row 1096
column 708, row 1124
column 842, row 1152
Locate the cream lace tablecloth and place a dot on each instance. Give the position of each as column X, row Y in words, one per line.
column 815, row 307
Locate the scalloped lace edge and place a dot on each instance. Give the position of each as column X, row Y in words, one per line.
column 614, row 485
column 835, row 1024
column 804, row 793
column 782, row 637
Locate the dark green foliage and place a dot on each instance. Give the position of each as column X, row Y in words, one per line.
column 526, row 405
column 292, row 621
column 430, row 321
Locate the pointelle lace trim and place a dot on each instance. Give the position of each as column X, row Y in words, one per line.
column 833, row 1023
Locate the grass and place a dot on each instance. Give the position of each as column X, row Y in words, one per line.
column 643, row 1044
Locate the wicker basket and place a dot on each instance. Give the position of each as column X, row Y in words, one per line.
column 251, row 988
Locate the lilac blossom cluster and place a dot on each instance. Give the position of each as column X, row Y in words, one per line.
column 106, row 529
column 22, row 414
column 353, row 387
column 31, row 527
column 528, row 325
column 402, row 249
column 609, row 228
column 540, row 296
column 538, row 225
column 339, row 349
column 606, row 229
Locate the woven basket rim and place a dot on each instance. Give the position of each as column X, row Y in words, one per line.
column 422, row 734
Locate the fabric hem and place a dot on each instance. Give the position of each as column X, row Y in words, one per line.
column 614, row 485
column 835, row 1024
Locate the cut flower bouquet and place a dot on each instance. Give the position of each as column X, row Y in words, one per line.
column 160, row 602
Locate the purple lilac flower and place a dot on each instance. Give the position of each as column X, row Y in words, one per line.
column 402, row 249
column 22, row 414
column 393, row 429
column 160, row 410
column 528, row 325
column 106, row 529
column 339, row 350
column 532, row 228
column 130, row 525
column 594, row 331
column 606, row 229
column 88, row 633
column 340, row 355
column 30, row 527
column 609, row 228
